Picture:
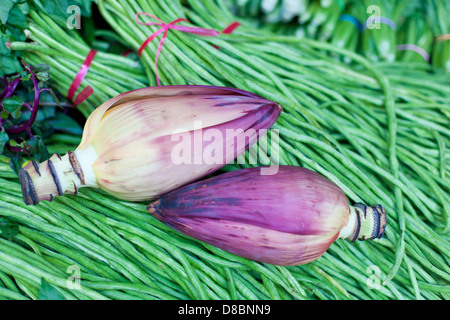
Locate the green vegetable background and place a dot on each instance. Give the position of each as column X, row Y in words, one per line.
column 373, row 119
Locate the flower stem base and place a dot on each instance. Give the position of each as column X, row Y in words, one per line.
column 57, row 176
column 364, row 223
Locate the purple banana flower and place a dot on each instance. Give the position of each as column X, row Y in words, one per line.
column 289, row 218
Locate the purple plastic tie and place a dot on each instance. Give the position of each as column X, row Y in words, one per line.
column 384, row 20
column 419, row 50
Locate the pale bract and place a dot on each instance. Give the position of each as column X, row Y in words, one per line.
column 131, row 145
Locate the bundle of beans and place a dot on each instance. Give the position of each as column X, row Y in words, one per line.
column 122, row 252
column 381, row 30
column 438, row 13
column 65, row 51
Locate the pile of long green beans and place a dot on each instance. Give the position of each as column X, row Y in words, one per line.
column 380, row 131
column 416, row 31
column 438, row 13
column 378, row 165
column 344, row 24
column 123, row 253
column 64, row 51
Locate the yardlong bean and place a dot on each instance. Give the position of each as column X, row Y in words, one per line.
column 379, row 134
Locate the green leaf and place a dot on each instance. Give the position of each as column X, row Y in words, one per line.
column 13, row 106
column 49, row 292
column 24, row 75
column 65, row 123
column 45, row 112
column 5, row 7
column 3, row 40
column 55, row 98
column 16, row 114
column 17, row 18
column 39, row 150
column 42, row 76
column 15, row 163
column 4, row 115
column 14, row 143
column 15, row 34
column 9, row 65
column 4, row 138
column 24, row 7
column 87, row 31
column 57, row 9
column 11, row 103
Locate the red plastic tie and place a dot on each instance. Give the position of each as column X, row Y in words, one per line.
column 229, row 30
column 165, row 28
column 83, row 95
column 126, row 52
column 86, row 92
column 231, row 27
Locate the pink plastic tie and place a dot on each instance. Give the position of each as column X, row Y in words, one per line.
column 164, row 29
column 86, row 92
